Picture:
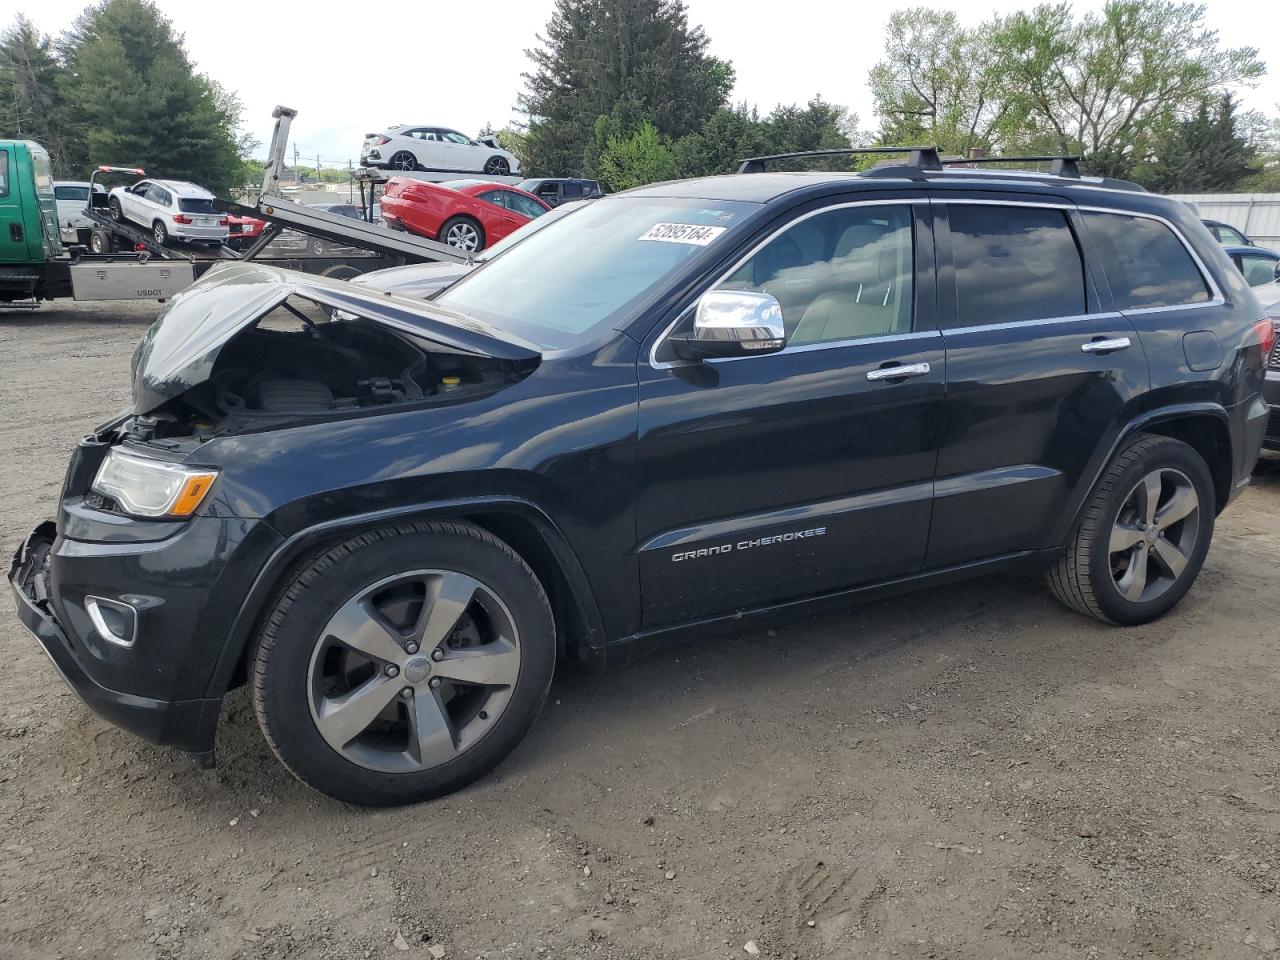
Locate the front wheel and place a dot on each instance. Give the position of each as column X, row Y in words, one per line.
column 1143, row 536
column 113, row 207
column 404, row 663
column 463, row 233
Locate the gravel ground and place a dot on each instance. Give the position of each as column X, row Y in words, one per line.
column 972, row 772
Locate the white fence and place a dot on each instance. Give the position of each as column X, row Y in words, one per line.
column 1256, row 215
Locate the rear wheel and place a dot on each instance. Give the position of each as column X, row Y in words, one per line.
column 497, row 167
column 159, row 232
column 403, row 160
column 404, row 663
column 1143, row 537
column 462, row 232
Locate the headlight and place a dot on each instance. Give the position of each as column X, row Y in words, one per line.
column 152, row 488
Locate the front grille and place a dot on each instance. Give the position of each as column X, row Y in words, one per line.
column 1274, row 359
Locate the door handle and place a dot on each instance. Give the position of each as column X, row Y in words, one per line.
column 899, row 372
column 1105, row 346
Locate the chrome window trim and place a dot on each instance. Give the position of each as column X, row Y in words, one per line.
column 1216, row 299
column 657, row 364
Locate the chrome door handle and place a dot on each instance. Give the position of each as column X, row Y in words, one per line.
column 1105, row 346
column 902, row 371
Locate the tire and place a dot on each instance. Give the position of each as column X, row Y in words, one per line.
column 317, row 247
column 462, row 232
column 497, row 167
column 159, row 233
column 1119, row 566
column 301, row 672
column 113, row 207
column 402, row 160
column 340, row 271
column 99, row 242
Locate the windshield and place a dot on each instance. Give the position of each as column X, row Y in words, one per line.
column 579, row 272
column 195, row 205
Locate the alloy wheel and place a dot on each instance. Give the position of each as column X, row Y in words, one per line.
column 412, row 671
column 497, row 166
column 463, row 236
column 1154, row 535
column 404, row 160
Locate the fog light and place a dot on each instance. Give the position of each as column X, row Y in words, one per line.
column 114, row 621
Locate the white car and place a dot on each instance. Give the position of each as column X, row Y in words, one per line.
column 409, row 147
column 71, row 198
column 170, row 209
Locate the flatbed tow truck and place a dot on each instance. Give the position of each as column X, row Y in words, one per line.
column 122, row 261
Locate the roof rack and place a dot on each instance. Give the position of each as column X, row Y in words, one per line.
column 1059, row 166
column 922, row 158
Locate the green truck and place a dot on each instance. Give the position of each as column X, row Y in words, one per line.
column 29, row 240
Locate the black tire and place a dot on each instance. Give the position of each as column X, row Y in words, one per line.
column 340, row 271
column 159, row 233
column 460, row 225
column 113, row 206
column 1088, row 577
column 497, row 167
column 402, row 160
column 281, row 667
column 99, row 242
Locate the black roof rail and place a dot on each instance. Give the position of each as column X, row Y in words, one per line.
column 1059, row 166
column 922, row 158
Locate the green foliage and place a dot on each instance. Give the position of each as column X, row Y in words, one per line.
column 31, row 105
column 598, row 54
column 636, row 159
column 1203, row 153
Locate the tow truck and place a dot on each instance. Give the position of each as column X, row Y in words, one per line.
column 122, row 261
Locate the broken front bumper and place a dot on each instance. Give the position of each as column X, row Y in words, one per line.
column 185, row 724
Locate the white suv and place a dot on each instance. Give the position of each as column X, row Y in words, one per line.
column 407, row 147
column 171, row 209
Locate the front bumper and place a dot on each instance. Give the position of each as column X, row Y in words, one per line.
column 185, row 724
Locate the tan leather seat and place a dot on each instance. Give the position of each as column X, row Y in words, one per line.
column 837, row 315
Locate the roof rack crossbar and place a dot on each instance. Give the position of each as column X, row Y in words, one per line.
column 1059, row 166
column 923, row 158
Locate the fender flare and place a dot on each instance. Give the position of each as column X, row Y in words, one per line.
column 1148, row 418
column 311, row 538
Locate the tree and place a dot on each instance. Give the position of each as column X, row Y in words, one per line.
column 632, row 161
column 597, row 53
column 1203, row 153
column 940, row 85
column 140, row 101
column 31, row 107
column 1105, row 84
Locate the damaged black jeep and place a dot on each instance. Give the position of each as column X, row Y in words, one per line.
column 679, row 407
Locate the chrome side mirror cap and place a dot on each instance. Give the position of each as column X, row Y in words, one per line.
column 733, row 323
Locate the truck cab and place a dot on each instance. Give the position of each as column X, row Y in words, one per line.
column 28, row 216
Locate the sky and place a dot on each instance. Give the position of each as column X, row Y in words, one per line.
column 459, row 65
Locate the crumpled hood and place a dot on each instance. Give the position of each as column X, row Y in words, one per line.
column 180, row 348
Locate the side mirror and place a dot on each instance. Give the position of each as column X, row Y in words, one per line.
column 733, row 323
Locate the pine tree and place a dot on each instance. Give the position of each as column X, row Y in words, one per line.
column 140, row 102
column 597, row 54
column 1203, row 153
column 31, row 107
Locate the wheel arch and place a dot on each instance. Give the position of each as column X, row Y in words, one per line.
column 519, row 523
column 1205, row 427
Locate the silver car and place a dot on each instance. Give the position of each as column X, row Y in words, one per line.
column 170, row 209
column 71, row 198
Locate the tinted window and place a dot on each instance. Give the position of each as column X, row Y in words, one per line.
column 1257, row 270
column 1146, row 265
column 572, row 189
column 496, row 197
column 840, row 275
column 1014, row 263
column 523, row 205
column 71, row 193
column 195, row 205
column 157, row 194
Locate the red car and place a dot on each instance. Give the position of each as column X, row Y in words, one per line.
column 468, row 214
column 243, row 230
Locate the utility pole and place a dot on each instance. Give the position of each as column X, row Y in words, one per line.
column 296, row 175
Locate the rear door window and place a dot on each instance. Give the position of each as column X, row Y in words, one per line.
column 1014, row 263
column 1145, row 262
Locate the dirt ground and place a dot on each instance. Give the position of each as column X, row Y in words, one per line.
column 972, row 772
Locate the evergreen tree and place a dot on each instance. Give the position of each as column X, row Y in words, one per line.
column 597, row 54
column 1204, row 153
column 140, row 102
column 31, row 107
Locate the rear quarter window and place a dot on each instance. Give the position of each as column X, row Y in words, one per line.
column 1146, row 264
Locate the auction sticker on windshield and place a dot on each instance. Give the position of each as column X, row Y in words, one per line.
column 695, row 233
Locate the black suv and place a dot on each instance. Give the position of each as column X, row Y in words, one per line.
column 685, row 405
